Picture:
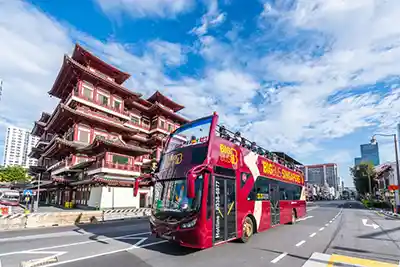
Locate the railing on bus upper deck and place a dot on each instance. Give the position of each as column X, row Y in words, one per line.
column 237, row 139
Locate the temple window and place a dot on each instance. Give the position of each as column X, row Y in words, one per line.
column 154, row 124
column 120, row 159
column 145, row 123
column 84, row 135
column 117, row 104
column 170, row 127
column 162, row 124
column 103, row 99
column 87, row 92
column 135, row 120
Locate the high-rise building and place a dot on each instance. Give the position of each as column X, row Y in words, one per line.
column 17, row 146
column 322, row 174
column 357, row 161
column 370, row 153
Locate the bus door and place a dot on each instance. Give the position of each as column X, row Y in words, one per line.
column 275, row 209
column 224, row 221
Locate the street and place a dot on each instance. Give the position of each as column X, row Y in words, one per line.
column 335, row 228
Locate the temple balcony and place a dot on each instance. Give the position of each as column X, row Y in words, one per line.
column 103, row 103
column 113, row 167
column 61, row 166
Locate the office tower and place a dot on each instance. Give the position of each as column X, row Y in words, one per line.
column 370, row 153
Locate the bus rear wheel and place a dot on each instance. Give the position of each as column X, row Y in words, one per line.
column 248, row 230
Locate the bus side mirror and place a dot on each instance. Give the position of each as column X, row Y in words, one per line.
column 191, row 190
column 136, row 187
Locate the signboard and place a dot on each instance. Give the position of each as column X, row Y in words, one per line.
column 393, row 187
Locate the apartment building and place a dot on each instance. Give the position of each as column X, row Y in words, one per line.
column 17, row 146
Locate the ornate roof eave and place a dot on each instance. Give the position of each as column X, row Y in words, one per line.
column 60, row 141
column 122, row 89
column 62, row 107
column 44, row 117
column 169, row 113
column 159, row 97
column 101, row 141
column 37, row 128
column 120, row 76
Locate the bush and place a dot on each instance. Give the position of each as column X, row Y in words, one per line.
column 376, row 204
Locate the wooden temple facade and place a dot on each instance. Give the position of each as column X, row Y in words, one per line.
column 100, row 137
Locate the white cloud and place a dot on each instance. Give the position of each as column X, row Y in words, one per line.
column 147, row 8
column 211, row 19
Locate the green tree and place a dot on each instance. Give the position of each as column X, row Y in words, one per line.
column 13, row 174
column 362, row 174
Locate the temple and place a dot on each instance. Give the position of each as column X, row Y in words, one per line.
column 100, row 137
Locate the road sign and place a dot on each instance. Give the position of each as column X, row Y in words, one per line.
column 27, row 192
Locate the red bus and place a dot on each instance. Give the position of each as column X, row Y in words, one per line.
column 213, row 186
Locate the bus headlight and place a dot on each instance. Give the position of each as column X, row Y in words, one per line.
column 190, row 224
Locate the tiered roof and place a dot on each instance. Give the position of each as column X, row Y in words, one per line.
column 157, row 97
column 68, row 75
column 62, row 118
column 101, row 144
column 84, row 57
column 39, row 126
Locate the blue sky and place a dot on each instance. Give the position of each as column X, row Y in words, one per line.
column 312, row 78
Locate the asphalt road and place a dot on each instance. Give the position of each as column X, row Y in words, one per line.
column 330, row 228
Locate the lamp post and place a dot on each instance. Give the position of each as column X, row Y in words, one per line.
column 373, row 141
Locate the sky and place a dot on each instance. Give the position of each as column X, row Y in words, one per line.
column 312, row 78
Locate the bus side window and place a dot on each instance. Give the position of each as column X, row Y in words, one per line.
column 209, row 198
column 260, row 190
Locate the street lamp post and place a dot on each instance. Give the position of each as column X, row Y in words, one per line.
column 373, row 141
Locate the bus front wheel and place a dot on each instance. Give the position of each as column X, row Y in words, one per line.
column 248, row 230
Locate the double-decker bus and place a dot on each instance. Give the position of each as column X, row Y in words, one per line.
column 213, row 186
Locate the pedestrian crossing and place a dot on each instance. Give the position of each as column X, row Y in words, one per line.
column 333, row 260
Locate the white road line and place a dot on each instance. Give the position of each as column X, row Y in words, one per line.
column 330, row 221
column 313, row 234
column 322, row 228
column 300, row 243
column 305, row 218
column 276, row 259
column 105, row 253
column 72, row 244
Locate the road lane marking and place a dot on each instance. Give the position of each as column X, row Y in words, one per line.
column 106, row 253
column 313, row 234
column 305, row 218
column 327, row 224
column 72, row 244
column 276, row 259
column 300, row 243
column 322, row 228
column 331, row 221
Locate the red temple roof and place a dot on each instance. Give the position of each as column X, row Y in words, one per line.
column 162, row 99
column 67, row 78
column 62, row 118
column 59, row 147
column 101, row 144
column 84, row 57
column 44, row 117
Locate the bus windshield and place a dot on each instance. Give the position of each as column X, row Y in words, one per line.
column 171, row 195
column 189, row 134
